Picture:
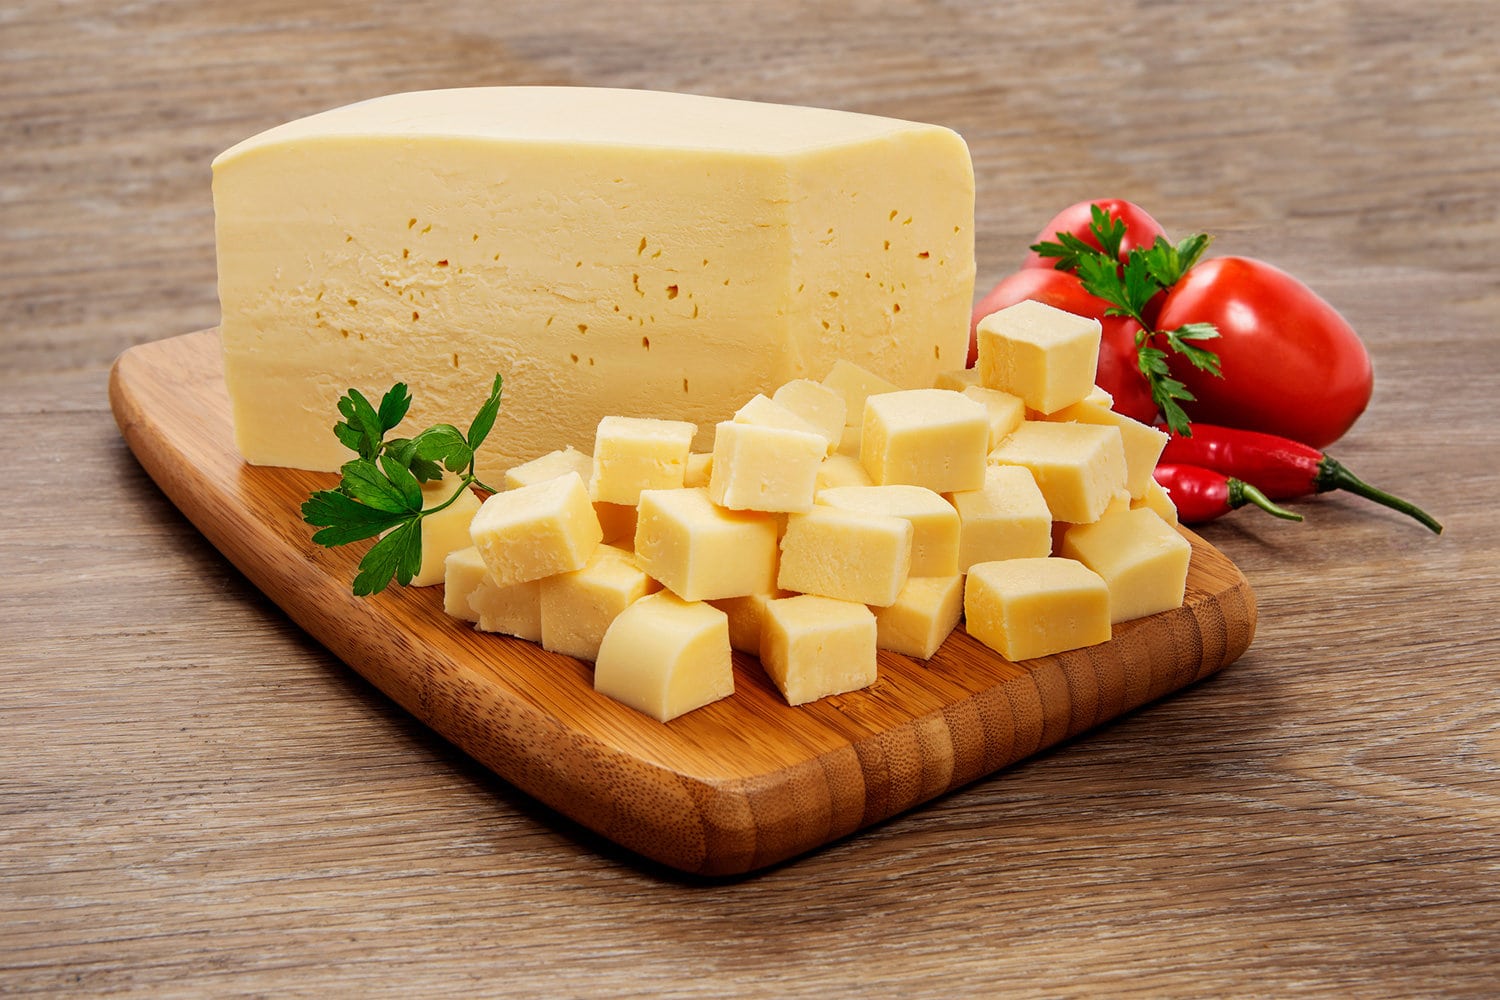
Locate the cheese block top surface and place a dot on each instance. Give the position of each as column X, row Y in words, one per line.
column 588, row 116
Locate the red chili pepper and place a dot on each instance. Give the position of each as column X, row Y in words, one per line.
column 1280, row 467
column 1203, row 494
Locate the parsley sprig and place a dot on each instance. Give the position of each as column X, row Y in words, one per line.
column 1147, row 272
column 380, row 492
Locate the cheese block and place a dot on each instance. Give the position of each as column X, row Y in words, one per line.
column 607, row 251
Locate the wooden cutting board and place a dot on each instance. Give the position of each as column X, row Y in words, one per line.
column 743, row 783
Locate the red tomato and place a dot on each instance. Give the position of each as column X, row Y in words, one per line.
column 1291, row 364
column 1117, row 373
column 1140, row 229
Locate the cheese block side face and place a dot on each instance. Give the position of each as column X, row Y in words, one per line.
column 608, row 252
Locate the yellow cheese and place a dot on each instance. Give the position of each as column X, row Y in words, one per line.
column 934, row 522
column 1141, row 557
column 616, row 520
column 608, row 251
column 463, row 572
column 699, row 470
column 823, row 408
column 639, row 453
column 1143, row 444
column 813, row 647
column 1006, row 518
column 443, row 531
column 577, row 607
column 549, row 466
column 1158, row 499
column 665, row 656
column 855, row 384
column 700, row 550
column 849, row 555
column 842, row 470
column 1023, row 608
column 925, row 613
column 1004, row 411
column 534, row 531
column 768, row 412
column 746, row 616
column 957, row 380
column 756, row 467
column 514, row 609
column 925, row 437
column 1044, row 355
column 1079, row 467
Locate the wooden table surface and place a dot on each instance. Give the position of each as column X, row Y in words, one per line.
column 197, row 800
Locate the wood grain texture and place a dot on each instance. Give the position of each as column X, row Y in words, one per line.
column 196, row 799
column 738, row 785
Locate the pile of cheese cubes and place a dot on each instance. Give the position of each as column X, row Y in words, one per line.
column 831, row 519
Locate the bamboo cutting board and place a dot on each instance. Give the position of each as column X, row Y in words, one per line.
column 735, row 786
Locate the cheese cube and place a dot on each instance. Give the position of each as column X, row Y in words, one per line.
column 841, row 470
column 849, row 440
column 925, row 437
column 535, row 531
column 616, row 521
column 855, row 384
column 665, row 656
column 443, row 531
column 821, row 407
column 1079, row 467
column 514, row 609
column 610, row 251
column 935, row 524
column 1024, row 608
column 846, row 554
column 813, row 647
column 463, row 572
column 549, row 466
column 1006, row 518
column 700, row 550
column 1143, row 444
column 1141, row 557
column 746, row 617
column 925, row 613
column 1158, row 499
column 957, row 380
column 764, row 468
column 700, row 467
column 1042, row 354
column 768, row 412
column 577, row 607
column 639, row 453
column 1004, row 411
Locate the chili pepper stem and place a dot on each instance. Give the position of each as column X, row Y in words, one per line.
column 1332, row 475
column 1241, row 493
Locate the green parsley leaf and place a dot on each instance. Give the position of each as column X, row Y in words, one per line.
column 380, row 491
column 484, row 420
column 393, row 407
column 344, row 519
column 368, row 483
column 362, row 428
column 398, row 554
